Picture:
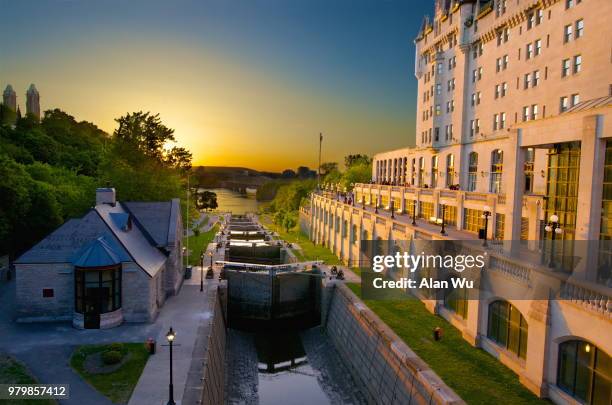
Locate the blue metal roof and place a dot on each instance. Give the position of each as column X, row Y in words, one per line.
column 100, row 252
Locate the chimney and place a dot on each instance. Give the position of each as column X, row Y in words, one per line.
column 105, row 195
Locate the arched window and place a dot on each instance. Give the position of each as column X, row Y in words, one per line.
column 497, row 167
column 584, row 371
column 434, row 171
column 405, row 174
column 472, row 171
column 414, row 171
column 450, row 170
column 507, row 327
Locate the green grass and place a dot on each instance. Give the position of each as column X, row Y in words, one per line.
column 199, row 243
column 118, row 385
column 472, row 373
column 13, row 372
column 309, row 251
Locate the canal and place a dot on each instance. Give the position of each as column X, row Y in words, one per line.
column 234, row 202
column 286, row 365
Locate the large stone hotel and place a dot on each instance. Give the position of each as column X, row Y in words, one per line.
column 514, row 145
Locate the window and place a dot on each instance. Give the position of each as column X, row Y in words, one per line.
column 583, row 371
column 456, row 299
column 502, row 120
column 474, row 127
column 567, row 33
column 529, row 51
column 535, row 78
column 575, row 99
column 98, row 288
column 48, row 293
column 500, row 222
column 437, row 134
column 450, row 170
column 500, row 7
column 577, row 63
column 579, row 28
column 526, row 113
column 538, row 47
column 472, row 220
column 528, row 169
column 438, row 89
column 497, row 167
column 425, row 210
column 472, row 171
column 439, row 67
column 505, row 60
column 498, row 64
column 563, row 104
column 495, row 121
column 438, row 111
column 504, row 89
column 507, row 327
column 434, row 171
column 534, row 18
column 421, row 171
column 527, row 80
column 565, row 67
column 473, row 99
column 534, row 111
column 497, row 90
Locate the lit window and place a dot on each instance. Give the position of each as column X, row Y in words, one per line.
column 507, row 327
column 583, row 371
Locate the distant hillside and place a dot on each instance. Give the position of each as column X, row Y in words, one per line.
column 231, row 177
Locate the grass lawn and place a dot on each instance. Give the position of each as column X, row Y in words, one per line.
column 13, row 372
column 117, row 385
column 309, row 251
column 475, row 375
column 197, row 244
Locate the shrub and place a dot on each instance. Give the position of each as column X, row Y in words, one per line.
column 111, row 357
column 119, row 347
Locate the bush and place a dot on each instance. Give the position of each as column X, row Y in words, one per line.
column 119, row 347
column 112, row 357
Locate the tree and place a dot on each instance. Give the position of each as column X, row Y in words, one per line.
column 288, row 174
column 205, row 200
column 179, row 158
column 303, row 172
column 289, row 220
column 145, row 132
column 358, row 159
column 328, row 167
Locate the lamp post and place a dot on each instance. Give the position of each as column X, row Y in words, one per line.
column 441, row 222
column 202, row 272
column 210, row 254
column 486, row 214
column 392, row 208
column 376, row 205
column 414, row 204
column 170, row 336
column 554, row 228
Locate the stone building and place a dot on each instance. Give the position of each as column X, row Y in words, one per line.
column 9, row 98
column 513, row 136
column 117, row 263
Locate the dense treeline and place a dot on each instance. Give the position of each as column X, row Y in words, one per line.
column 49, row 170
column 290, row 196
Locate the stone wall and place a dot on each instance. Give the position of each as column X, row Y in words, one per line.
column 205, row 382
column 31, row 279
column 385, row 368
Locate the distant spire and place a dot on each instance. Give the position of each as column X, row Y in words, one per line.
column 18, row 113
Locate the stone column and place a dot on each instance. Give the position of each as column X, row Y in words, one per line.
column 514, row 162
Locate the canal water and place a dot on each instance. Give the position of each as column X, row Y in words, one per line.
column 287, row 367
column 234, row 202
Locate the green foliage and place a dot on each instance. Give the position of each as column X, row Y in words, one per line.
column 13, row 372
column 111, row 357
column 205, row 200
column 118, row 385
column 358, row 159
column 49, row 170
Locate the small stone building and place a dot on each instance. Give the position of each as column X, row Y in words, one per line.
column 117, row 263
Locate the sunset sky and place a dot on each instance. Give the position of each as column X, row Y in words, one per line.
column 243, row 82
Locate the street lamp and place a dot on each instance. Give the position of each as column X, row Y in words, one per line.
column 202, row 272
column 441, row 222
column 376, row 204
column 392, row 208
column 210, row 254
column 554, row 228
column 486, row 214
column 170, row 336
column 414, row 204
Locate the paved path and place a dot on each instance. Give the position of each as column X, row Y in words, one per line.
column 184, row 315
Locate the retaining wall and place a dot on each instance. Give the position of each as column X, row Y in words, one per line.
column 385, row 368
column 205, row 381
